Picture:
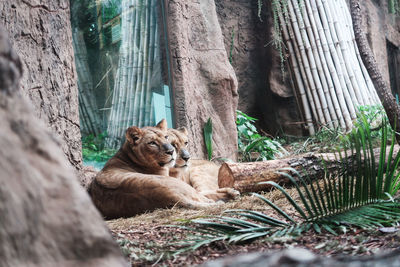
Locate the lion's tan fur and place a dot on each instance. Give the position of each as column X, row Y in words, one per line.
column 136, row 179
column 202, row 175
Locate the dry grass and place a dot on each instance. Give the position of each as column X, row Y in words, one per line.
column 177, row 215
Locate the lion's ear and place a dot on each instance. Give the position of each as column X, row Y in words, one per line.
column 162, row 125
column 133, row 134
column 183, row 130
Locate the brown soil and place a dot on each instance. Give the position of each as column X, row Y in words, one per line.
column 150, row 239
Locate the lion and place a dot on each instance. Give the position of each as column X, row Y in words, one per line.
column 202, row 175
column 135, row 179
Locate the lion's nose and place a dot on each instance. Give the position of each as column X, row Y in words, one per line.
column 169, row 149
column 185, row 155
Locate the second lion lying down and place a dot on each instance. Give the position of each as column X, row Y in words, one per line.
column 137, row 179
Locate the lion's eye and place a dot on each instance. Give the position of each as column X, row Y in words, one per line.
column 186, row 143
column 152, row 143
column 166, row 137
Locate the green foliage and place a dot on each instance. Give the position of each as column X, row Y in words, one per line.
column 359, row 194
column 232, row 46
column 93, row 148
column 208, row 131
column 326, row 139
column 394, row 6
column 252, row 146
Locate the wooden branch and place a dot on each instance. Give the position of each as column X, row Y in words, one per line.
column 245, row 177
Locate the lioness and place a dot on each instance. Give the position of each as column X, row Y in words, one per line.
column 202, row 175
column 135, row 179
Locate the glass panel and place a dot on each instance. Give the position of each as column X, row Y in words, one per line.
column 122, row 67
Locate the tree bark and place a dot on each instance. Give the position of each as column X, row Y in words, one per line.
column 388, row 101
column 40, row 32
column 245, row 177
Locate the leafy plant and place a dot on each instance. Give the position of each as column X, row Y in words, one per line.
column 251, row 143
column 93, row 148
column 394, row 6
column 360, row 194
column 208, row 137
column 325, row 139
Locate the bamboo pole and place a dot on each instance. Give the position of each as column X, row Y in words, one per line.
column 132, row 26
column 318, row 73
column 146, row 70
column 352, row 100
column 342, row 112
column 301, row 65
column 153, row 63
column 335, row 58
column 296, row 70
column 344, row 54
column 140, row 81
column 344, row 16
column 119, row 86
column 371, row 92
column 321, row 107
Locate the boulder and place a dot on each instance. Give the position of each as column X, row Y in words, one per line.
column 304, row 258
column 47, row 219
column 205, row 84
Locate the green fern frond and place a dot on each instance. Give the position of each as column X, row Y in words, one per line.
column 359, row 193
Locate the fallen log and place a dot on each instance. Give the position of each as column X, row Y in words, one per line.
column 245, row 177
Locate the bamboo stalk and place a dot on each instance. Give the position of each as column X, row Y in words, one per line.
column 145, row 87
column 119, row 86
column 318, row 73
column 153, row 63
column 371, row 92
column 350, row 90
column 337, row 78
column 139, row 83
column 132, row 26
column 321, row 104
column 338, row 30
column 342, row 112
column 301, row 65
column 297, row 73
column 335, row 58
column 344, row 19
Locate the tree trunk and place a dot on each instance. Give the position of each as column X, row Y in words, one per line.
column 46, row 217
column 41, row 34
column 245, row 177
column 388, row 101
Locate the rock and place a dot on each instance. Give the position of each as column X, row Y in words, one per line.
column 47, row 219
column 303, row 258
column 264, row 91
column 205, row 84
column 40, row 32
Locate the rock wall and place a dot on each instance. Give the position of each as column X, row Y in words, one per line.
column 47, row 219
column 380, row 27
column 204, row 82
column 40, row 32
column 264, row 91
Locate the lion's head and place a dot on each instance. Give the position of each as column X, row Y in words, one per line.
column 150, row 147
column 179, row 140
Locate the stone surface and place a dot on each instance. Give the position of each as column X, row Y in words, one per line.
column 47, row 219
column 264, row 91
column 40, row 32
column 204, row 82
column 380, row 27
column 303, row 258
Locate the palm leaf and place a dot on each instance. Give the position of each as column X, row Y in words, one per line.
column 357, row 194
column 208, row 131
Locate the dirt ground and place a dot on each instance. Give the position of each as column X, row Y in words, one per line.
column 151, row 239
